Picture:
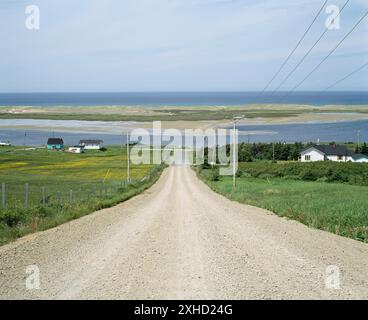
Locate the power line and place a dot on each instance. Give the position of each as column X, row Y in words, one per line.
column 310, row 50
column 296, row 47
column 348, row 76
column 331, row 52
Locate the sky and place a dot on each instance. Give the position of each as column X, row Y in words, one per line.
column 176, row 45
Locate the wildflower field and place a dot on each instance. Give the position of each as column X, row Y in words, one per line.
column 45, row 188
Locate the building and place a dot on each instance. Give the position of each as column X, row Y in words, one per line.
column 91, row 144
column 331, row 153
column 76, row 149
column 360, row 158
column 55, row 144
column 5, row 144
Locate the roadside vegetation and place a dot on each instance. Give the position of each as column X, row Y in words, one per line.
column 64, row 186
column 325, row 195
column 284, row 151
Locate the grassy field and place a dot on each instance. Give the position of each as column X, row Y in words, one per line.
column 64, row 186
column 335, row 207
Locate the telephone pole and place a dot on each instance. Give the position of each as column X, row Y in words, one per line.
column 236, row 119
column 128, row 158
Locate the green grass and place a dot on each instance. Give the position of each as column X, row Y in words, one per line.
column 334, row 207
column 324, row 171
column 97, row 180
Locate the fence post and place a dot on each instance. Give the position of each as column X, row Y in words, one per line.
column 43, row 196
column 71, row 196
column 26, row 196
column 3, row 202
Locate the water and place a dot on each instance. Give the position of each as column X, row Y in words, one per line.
column 325, row 132
column 180, row 99
column 37, row 138
column 306, row 132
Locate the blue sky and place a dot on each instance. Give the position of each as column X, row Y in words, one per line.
column 174, row 45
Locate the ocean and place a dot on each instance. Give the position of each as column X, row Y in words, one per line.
column 180, row 99
column 305, row 132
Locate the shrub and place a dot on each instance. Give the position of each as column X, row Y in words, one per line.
column 308, row 175
column 11, row 218
column 214, row 174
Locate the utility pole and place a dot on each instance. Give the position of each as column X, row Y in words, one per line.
column 273, row 152
column 234, row 154
column 236, row 119
column 128, row 158
column 359, row 140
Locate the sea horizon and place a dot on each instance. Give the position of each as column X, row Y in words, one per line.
column 181, row 98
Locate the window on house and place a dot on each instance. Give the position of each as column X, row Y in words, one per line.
column 340, row 158
column 307, row 158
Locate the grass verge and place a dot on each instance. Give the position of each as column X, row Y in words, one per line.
column 335, row 207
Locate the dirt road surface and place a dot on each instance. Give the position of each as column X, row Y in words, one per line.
column 180, row 240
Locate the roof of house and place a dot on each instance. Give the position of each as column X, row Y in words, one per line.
column 333, row 150
column 55, row 141
column 90, row 141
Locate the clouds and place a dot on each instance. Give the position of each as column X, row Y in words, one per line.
column 134, row 45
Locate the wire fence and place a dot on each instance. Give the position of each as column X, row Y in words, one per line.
column 27, row 195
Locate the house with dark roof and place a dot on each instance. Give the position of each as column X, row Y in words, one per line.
column 331, row 153
column 91, row 144
column 55, row 144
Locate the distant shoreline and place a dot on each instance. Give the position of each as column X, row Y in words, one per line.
column 114, row 118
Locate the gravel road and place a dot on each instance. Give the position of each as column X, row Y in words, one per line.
column 180, row 240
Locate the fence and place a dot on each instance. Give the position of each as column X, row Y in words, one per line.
column 35, row 195
column 27, row 196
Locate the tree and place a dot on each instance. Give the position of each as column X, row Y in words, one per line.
column 364, row 149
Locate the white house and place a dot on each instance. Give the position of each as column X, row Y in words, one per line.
column 332, row 153
column 5, row 144
column 361, row 158
column 76, row 149
column 91, row 144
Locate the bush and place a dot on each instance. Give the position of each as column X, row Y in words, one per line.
column 214, row 175
column 308, row 175
column 337, row 177
column 352, row 173
column 266, row 176
column 11, row 218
